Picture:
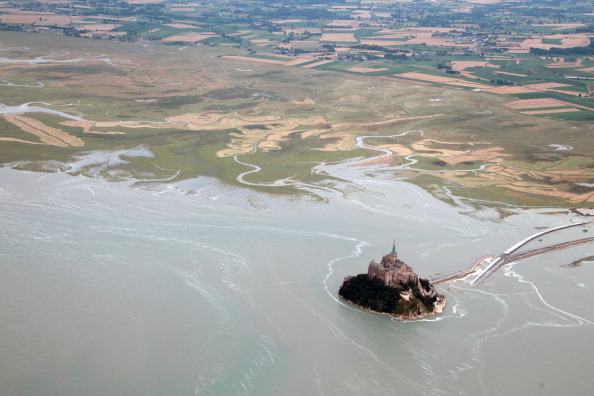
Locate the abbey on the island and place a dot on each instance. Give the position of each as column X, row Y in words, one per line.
column 403, row 293
column 391, row 270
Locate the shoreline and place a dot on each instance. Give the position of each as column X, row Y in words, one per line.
column 400, row 318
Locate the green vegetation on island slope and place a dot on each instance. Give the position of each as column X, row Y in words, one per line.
column 374, row 295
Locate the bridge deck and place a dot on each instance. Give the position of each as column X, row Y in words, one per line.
column 507, row 257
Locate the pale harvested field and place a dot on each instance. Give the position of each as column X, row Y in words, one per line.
column 576, row 41
column 183, row 26
column 363, row 14
column 190, row 37
column 47, row 134
column 569, row 110
column 588, row 70
column 536, row 103
column 299, row 61
column 365, row 69
column 320, row 63
column 509, row 90
column 461, row 65
column 442, row 80
column 184, row 9
column 567, row 41
column 340, row 37
column 535, row 42
column 38, row 18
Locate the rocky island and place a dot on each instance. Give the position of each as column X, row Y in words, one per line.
column 392, row 287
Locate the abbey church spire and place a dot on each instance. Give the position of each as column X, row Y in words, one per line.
column 391, row 270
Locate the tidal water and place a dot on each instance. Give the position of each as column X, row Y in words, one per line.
column 202, row 289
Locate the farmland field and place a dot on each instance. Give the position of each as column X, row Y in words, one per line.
column 201, row 114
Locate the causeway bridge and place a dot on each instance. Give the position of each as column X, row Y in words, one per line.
column 488, row 265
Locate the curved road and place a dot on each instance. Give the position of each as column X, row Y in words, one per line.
column 494, row 263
